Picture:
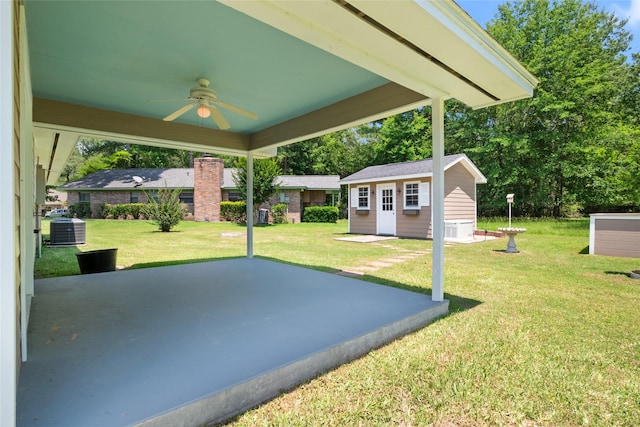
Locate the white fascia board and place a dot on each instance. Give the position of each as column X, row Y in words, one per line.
column 388, row 178
column 469, row 50
column 466, row 28
column 469, row 166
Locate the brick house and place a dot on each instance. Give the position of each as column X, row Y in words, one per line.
column 203, row 188
column 395, row 199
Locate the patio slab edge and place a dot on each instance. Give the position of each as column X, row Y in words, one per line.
column 222, row 406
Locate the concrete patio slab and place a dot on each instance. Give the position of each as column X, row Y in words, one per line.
column 197, row 343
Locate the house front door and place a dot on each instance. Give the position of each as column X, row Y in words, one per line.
column 386, row 212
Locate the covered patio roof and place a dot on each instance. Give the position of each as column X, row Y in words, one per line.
column 114, row 70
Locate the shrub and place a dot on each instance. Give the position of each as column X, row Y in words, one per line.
column 168, row 211
column 80, row 210
column 279, row 213
column 125, row 210
column 233, row 211
column 320, row 214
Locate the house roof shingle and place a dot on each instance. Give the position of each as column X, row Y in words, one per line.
column 122, row 179
column 414, row 169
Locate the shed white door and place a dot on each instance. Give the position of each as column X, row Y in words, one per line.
column 386, row 209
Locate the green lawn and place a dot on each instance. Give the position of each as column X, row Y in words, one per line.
column 550, row 336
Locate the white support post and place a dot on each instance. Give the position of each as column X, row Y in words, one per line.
column 8, row 221
column 437, row 270
column 249, row 204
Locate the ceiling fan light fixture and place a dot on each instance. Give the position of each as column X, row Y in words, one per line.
column 203, row 111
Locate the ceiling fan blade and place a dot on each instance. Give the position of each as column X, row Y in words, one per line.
column 237, row 110
column 217, row 117
column 179, row 112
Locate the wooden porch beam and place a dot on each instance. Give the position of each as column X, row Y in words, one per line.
column 375, row 104
column 91, row 121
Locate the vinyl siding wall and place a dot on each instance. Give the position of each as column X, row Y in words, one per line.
column 459, row 204
column 407, row 223
column 618, row 237
column 363, row 221
column 459, row 194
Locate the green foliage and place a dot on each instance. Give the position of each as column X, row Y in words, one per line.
column 404, row 137
column 265, row 172
column 122, row 211
column 320, row 214
column 234, row 211
column 168, row 211
column 568, row 147
column 80, row 210
column 279, row 213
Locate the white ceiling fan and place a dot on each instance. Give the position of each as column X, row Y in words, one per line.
column 207, row 102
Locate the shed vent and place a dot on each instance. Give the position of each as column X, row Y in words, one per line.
column 67, row 231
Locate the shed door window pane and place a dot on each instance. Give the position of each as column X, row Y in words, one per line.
column 387, row 199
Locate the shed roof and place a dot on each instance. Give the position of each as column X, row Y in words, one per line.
column 414, row 169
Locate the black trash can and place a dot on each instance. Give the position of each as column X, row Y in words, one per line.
column 97, row 261
column 263, row 217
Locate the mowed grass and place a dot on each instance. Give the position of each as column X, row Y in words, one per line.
column 550, row 336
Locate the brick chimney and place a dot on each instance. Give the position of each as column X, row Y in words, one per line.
column 208, row 174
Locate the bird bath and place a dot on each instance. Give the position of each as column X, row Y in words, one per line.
column 512, row 232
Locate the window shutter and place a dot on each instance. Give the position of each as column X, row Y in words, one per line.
column 423, row 195
column 354, row 197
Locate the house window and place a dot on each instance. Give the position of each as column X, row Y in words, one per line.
column 234, row 196
column 84, row 196
column 186, row 197
column 154, row 196
column 133, row 197
column 412, row 195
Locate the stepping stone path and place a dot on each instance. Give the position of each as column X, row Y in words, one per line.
column 404, row 255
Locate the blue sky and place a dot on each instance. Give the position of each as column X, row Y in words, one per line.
column 484, row 10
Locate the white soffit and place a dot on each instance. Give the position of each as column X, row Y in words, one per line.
column 432, row 47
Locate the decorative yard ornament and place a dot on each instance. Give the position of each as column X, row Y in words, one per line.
column 511, row 232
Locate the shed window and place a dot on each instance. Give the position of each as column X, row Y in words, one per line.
column 412, row 195
column 360, row 197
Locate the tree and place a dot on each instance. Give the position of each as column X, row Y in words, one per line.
column 342, row 153
column 297, row 159
column 167, row 211
column 404, row 137
column 543, row 149
column 265, row 172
